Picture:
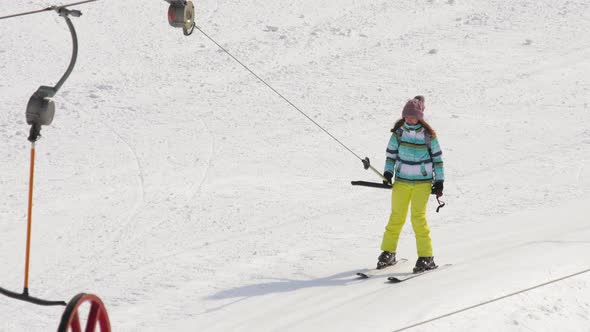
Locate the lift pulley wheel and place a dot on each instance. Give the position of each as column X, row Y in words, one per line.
column 181, row 14
column 70, row 320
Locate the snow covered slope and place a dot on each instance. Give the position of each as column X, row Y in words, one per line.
column 190, row 197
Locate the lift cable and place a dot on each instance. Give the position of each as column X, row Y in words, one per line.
column 365, row 161
column 46, row 9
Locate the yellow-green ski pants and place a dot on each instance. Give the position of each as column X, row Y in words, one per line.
column 402, row 195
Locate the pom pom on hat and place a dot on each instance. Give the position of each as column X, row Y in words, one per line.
column 414, row 107
column 420, row 98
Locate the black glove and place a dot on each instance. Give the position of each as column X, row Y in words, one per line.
column 437, row 188
column 388, row 176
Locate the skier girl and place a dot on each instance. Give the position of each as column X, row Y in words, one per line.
column 414, row 156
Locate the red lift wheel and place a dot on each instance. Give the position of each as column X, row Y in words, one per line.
column 98, row 313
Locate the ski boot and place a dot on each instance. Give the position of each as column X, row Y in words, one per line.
column 385, row 259
column 424, row 264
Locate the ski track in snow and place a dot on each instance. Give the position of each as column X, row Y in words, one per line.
column 197, row 190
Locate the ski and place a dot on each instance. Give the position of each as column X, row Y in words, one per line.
column 397, row 278
column 376, row 272
column 371, row 184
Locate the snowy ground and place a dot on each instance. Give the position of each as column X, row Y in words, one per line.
column 189, row 197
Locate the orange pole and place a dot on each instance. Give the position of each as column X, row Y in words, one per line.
column 29, row 219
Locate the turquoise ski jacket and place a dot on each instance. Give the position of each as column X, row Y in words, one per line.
column 414, row 156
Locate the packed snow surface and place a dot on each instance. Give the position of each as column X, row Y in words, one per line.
column 190, row 197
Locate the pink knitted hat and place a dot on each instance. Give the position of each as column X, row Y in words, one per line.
column 414, row 107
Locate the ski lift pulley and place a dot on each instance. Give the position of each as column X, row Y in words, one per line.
column 181, row 14
column 41, row 108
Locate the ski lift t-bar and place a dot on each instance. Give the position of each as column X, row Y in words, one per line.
column 40, row 111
